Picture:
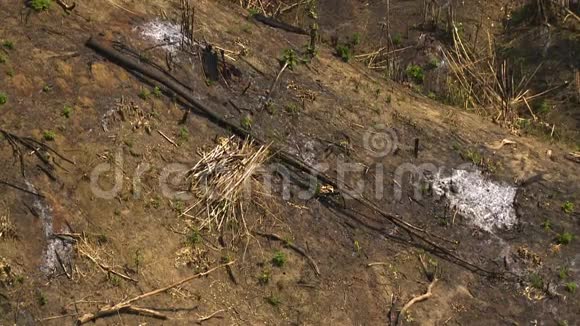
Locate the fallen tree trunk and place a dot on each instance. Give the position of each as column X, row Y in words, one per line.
column 278, row 24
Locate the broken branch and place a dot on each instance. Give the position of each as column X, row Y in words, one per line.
column 125, row 306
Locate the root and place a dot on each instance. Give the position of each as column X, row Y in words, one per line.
column 420, row 298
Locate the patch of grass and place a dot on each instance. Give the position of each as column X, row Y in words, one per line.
column 247, row 28
column 564, row 238
column 415, row 73
column 144, row 94
column 292, row 108
column 343, row 52
column 114, row 280
column 537, row 281
column 40, row 5
column 355, row 39
column 138, row 259
column 42, row 300
column 246, row 122
column 67, row 111
column 264, row 277
column 562, row 323
column 193, row 237
column 273, row 300
column 397, row 39
column 521, row 15
column 568, row 207
column 46, row 88
column 563, row 272
column 157, row 92
column 179, row 206
column 433, row 62
column 253, row 12
column 571, row 287
column 279, row 259
column 542, row 107
column 183, row 133
column 8, row 44
column 270, row 107
column 3, row 98
column 547, row 225
column 49, row 135
column 3, row 58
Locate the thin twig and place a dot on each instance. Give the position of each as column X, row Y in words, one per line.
column 204, row 318
column 167, row 138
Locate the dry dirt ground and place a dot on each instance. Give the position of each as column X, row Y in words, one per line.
column 322, row 113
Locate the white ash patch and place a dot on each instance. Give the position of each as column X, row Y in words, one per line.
column 485, row 203
column 163, row 32
column 56, row 249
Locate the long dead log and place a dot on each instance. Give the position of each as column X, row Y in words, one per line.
column 280, row 25
column 288, row 159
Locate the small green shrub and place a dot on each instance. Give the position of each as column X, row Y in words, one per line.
column 114, row 280
column 547, row 225
column 3, row 98
column 521, row 15
column 289, row 58
column 397, row 39
column 563, row 273
column 8, row 44
column 3, row 58
column 433, row 62
column 571, row 287
column 264, row 277
column 355, row 39
column 416, row 73
column 67, row 111
column 253, row 12
column 343, row 52
column 537, row 281
column 279, row 259
column 40, row 5
column 274, row 300
column 292, row 108
column 246, row 122
column 42, row 300
column 49, row 135
column 183, row 133
column 568, row 207
column 144, row 94
column 542, row 107
column 565, row 238
column 157, row 92
column 193, row 238
column 270, row 107
column 46, row 88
